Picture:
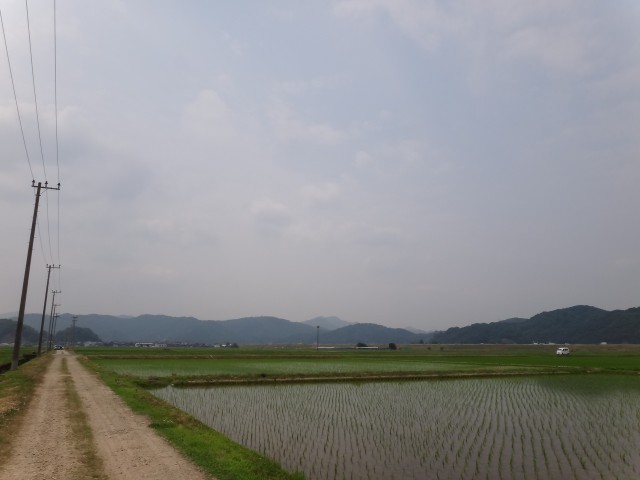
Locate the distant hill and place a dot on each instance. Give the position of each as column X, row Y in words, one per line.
column 579, row 324
column 514, row 320
column 263, row 330
column 419, row 330
column 77, row 335
column 8, row 332
column 370, row 333
column 250, row 330
column 327, row 323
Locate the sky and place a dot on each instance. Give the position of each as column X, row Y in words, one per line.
column 418, row 163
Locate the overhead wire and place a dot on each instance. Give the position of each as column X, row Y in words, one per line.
column 22, row 130
column 55, row 103
column 40, row 141
column 35, row 101
column 55, row 84
column 15, row 96
column 35, row 96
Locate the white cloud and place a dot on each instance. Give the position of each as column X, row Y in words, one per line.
column 363, row 158
column 554, row 32
column 361, row 146
column 321, row 194
column 233, row 43
column 209, row 116
column 561, row 48
column 290, row 127
column 317, row 84
column 405, row 160
column 422, row 20
column 270, row 213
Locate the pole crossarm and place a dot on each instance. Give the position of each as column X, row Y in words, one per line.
column 45, row 186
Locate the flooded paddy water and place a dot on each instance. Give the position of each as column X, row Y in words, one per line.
column 563, row 426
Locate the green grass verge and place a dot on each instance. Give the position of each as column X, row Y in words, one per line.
column 210, row 450
column 16, row 390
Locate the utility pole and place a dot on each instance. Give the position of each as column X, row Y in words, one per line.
column 44, row 308
column 23, row 300
column 55, row 320
column 53, row 306
column 73, row 330
column 318, row 337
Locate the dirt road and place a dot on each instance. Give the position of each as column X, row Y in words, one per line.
column 126, row 448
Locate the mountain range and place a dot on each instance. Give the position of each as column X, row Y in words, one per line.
column 249, row 330
column 578, row 324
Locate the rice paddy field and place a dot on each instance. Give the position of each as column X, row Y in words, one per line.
column 257, row 367
column 443, row 412
column 218, row 364
column 575, row 427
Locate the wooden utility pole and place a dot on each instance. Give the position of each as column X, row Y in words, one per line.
column 25, row 284
column 23, row 300
column 73, row 330
column 53, row 305
column 55, row 320
column 44, row 308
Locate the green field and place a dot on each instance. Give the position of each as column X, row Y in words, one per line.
column 285, row 367
column 5, row 354
column 182, row 364
column 523, row 374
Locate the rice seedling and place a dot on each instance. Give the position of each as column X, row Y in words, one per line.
column 579, row 426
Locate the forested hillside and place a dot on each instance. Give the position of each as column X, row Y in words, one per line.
column 579, row 324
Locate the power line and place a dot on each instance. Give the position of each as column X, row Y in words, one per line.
column 40, row 187
column 35, row 101
column 49, row 230
column 44, row 255
column 55, row 83
column 58, row 230
column 35, row 96
column 55, row 103
column 15, row 97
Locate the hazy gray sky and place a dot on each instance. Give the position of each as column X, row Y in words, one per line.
column 403, row 162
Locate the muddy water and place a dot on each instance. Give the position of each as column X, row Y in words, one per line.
column 570, row 427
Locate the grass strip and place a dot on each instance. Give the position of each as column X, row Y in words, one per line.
column 16, row 391
column 216, row 454
column 92, row 466
column 352, row 377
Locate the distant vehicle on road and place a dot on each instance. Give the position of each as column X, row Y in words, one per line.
column 563, row 351
column 58, row 347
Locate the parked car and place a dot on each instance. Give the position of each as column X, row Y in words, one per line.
column 563, row 351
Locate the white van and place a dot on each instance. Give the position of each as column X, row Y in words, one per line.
column 562, row 351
